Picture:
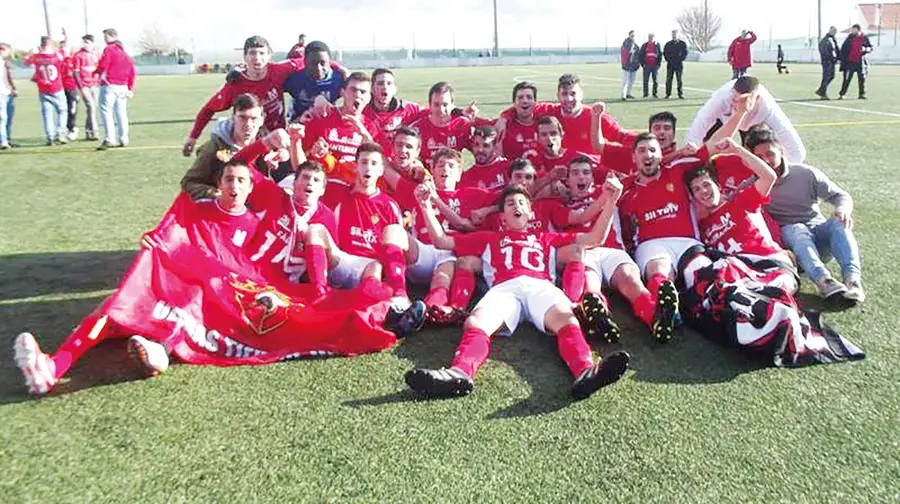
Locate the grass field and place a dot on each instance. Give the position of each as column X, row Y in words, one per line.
column 692, row 422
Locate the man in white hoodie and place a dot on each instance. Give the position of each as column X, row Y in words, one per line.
column 763, row 110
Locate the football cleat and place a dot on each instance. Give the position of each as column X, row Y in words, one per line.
column 664, row 321
column 407, row 322
column 36, row 366
column 605, row 372
column 439, row 383
column 149, row 355
column 445, row 315
column 596, row 320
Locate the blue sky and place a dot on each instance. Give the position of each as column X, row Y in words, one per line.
column 221, row 26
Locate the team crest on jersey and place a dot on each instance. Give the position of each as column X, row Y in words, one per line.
column 239, row 237
column 375, row 219
column 520, row 138
column 263, row 308
column 670, row 187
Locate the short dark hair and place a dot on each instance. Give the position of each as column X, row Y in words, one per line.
column 524, row 85
column 88, row 37
column 245, row 101
column 760, row 134
column 316, row 46
column 551, row 120
column 310, row 165
column 358, row 77
column 699, row 171
column 520, row 164
column 302, row 35
column 381, row 71
column 256, row 41
column 111, row 32
column 231, row 162
column 568, row 80
column 487, row 132
column 446, row 153
column 512, row 190
column 408, row 131
column 643, row 136
column 440, row 87
column 369, row 147
column 664, row 116
column 45, row 40
column 582, row 158
column 857, row 27
column 746, row 84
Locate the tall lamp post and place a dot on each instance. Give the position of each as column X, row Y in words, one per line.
column 496, row 42
column 47, row 19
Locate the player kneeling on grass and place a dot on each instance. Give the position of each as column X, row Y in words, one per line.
column 735, row 224
column 516, row 267
column 223, row 223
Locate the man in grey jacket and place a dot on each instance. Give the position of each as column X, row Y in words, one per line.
column 794, row 204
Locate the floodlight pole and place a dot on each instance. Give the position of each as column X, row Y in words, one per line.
column 496, row 41
column 819, row 23
column 47, row 19
column 86, row 31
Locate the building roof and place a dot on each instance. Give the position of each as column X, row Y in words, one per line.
column 890, row 16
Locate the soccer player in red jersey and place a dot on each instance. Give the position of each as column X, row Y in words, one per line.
column 517, row 268
column 405, row 154
column 490, row 170
column 734, row 223
column 552, row 160
column 84, row 62
column 261, row 78
column 440, row 128
column 656, row 215
column 387, row 112
column 48, row 69
column 520, row 138
column 224, row 223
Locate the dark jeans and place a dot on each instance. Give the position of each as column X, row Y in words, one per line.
column 849, row 70
column 739, row 72
column 72, row 107
column 827, row 76
column 676, row 71
column 650, row 72
column 782, row 67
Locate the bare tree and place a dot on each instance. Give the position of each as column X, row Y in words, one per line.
column 155, row 42
column 699, row 25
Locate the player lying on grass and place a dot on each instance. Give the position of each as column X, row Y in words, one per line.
column 794, row 204
column 224, row 223
column 516, row 264
column 734, row 223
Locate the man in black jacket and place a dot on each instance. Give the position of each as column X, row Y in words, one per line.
column 828, row 53
column 675, row 52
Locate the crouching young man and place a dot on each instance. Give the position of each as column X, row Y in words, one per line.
column 517, row 266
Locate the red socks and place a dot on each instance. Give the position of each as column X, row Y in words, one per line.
column 438, row 296
column 86, row 336
column 472, row 351
column 573, row 281
column 394, row 261
column 317, row 267
column 653, row 284
column 372, row 288
column 574, row 349
column 644, row 308
column 462, row 288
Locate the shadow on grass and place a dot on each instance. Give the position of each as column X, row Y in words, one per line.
column 164, row 121
column 30, row 275
column 51, row 322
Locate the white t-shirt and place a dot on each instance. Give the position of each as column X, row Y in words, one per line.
column 767, row 111
column 4, row 79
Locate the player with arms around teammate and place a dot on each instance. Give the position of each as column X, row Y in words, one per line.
column 516, row 263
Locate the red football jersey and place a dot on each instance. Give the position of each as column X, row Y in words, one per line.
column 733, row 175
column 85, row 62
column 618, row 158
column 68, row 80
column 660, row 208
column 462, row 201
column 341, row 133
column 545, row 164
column 454, row 135
column 560, row 218
column 577, row 129
column 738, row 227
column 543, row 215
column 511, row 254
column 269, row 90
column 489, row 177
column 361, row 219
column 386, row 122
column 520, row 140
column 279, row 245
column 48, row 69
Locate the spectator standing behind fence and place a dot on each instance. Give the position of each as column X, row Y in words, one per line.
column 853, row 60
column 631, row 61
column 116, row 72
column 675, row 52
column 651, row 57
column 829, row 55
column 739, row 54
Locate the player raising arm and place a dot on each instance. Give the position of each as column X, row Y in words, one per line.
column 516, row 264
